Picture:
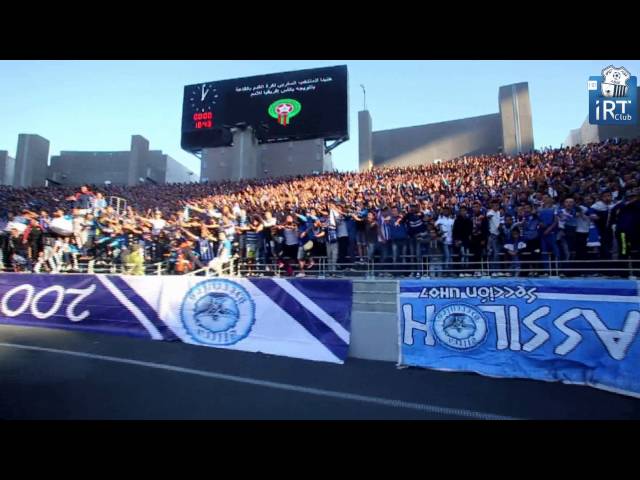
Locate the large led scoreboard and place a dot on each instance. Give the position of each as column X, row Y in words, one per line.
column 298, row 105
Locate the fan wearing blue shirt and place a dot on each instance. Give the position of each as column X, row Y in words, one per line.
column 548, row 216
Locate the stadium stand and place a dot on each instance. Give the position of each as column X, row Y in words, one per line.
column 568, row 211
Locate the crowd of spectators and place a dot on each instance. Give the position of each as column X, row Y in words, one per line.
column 516, row 214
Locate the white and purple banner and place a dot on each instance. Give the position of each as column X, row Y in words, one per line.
column 308, row 319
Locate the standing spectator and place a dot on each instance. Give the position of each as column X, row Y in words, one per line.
column 371, row 235
column 342, row 233
column 461, row 235
column 531, row 232
column 626, row 217
column 602, row 218
column 253, row 239
column 332, row 242
column 399, row 236
column 18, row 251
column 445, row 226
column 583, row 224
column 435, row 253
column 223, row 256
column 568, row 222
column 291, row 244
column 268, row 224
column 548, row 216
column 98, row 204
column 82, row 200
column 493, row 217
column 134, row 261
column 514, row 249
column 479, row 235
column 416, row 230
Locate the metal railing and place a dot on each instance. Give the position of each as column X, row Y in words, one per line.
column 86, row 266
column 525, row 266
column 119, row 204
column 407, row 267
column 229, row 269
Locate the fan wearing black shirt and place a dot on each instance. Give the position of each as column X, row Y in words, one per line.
column 462, row 230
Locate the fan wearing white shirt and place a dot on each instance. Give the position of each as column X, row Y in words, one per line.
column 157, row 223
column 445, row 224
column 493, row 215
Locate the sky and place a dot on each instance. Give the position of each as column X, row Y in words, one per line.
column 98, row 105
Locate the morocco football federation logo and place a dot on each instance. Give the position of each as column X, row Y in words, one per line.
column 284, row 110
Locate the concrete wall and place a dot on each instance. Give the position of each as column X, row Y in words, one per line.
column 327, row 163
column 31, row 161
column 119, row 168
column 77, row 168
column 292, row 158
column 178, row 173
column 247, row 159
column 7, row 168
column 573, row 138
column 153, row 167
column 589, row 133
column 510, row 130
column 238, row 161
column 445, row 140
column 515, row 114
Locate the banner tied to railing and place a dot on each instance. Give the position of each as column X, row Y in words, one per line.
column 308, row 319
column 572, row 331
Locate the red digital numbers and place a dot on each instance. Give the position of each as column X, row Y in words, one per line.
column 203, row 120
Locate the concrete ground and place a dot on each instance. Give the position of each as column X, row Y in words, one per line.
column 59, row 374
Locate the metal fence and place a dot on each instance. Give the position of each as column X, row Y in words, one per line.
column 407, row 267
column 525, row 266
column 87, row 266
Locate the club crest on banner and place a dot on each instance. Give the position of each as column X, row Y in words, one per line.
column 460, row 327
column 217, row 312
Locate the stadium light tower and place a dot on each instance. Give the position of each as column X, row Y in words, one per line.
column 364, row 93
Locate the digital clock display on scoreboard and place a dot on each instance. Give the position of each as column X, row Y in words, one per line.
column 286, row 106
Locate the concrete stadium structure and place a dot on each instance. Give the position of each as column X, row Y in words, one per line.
column 248, row 159
column 32, row 157
column 7, row 167
column 510, row 131
column 32, row 168
column 132, row 167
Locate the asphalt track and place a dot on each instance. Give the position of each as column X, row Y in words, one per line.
column 59, row 374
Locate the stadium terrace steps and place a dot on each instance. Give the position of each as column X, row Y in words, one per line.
column 375, row 296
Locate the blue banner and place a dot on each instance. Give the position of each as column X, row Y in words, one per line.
column 572, row 331
column 308, row 319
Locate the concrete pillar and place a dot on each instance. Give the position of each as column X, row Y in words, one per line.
column 239, row 161
column 515, row 113
column 365, row 140
column 7, row 167
column 137, row 159
column 32, row 157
